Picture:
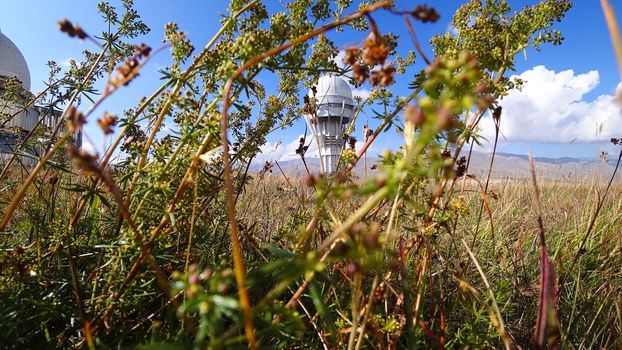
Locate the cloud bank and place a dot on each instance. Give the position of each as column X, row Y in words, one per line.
column 550, row 108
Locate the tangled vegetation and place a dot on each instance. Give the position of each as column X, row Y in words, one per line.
column 181, row 246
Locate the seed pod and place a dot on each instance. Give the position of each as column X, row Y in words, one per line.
column 352, row 269
column 341, row 248
column 310, row 180
column 414, row 115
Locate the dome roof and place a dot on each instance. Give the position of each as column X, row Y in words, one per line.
column 333, row 98
column 332, row 89
column 12, row 62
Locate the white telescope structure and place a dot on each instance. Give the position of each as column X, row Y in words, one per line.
column 334, row 109
column 14, row 130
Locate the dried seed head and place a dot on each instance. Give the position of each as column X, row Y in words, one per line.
column 352, row 142
column 302, row 148
column 358, row 229
column 267, row 169
column 468, row 59
column 72, row 30
column 375, row 78
column 106, row 122
column 360, row 73
column 75, row 119
column 372, row 238
column 414, row 115
column 223, row 288
column 485, row 101
column 481, row 88
column 445, row 119
column 381, row 182
column 65, row 26
column 367, row 132
column 129, row 69
column 143, row 50
column 351, row 55
column 461, row 168
column 496, row 114
column 341, row 248
column 425, row 14
column 83, row 160
column 379, row 293
column 387, row 74
column 340, row 177
column 374, row 50
column 310, row 180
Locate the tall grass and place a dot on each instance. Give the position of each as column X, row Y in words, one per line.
column 181, row 246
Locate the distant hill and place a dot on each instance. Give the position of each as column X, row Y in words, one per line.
column 505, row 166
column 560, row 160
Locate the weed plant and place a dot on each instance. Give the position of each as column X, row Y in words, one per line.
column 179, row 245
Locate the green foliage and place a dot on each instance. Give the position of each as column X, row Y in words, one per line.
column 505, row 35
column 139, row 254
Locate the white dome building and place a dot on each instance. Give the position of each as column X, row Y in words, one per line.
column 12, row 62
column 334, row 109
column 16, row 123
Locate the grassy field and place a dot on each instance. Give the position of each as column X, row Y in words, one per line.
column 505, row 246
column 178, row 246
column 471, row 282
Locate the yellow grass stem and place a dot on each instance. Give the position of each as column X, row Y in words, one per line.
column 21, row 192
column 229, row 190
column 614, row 31
column 500, row 326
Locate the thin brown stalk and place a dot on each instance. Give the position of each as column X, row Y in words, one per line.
column 106, row 159
column 14, row 157
column 354, row 307
column 50, row 150
column 614, row 31
column 500, row 326
column 165, row 108
column 367, row 308
column 488, row 176
column 138, row 237
column 192, row 223
column 21, row 192
column 413, row 35
column 596, row 214
column 435, row 202
column 229, row 190
column 547, row 322
column 77, row 289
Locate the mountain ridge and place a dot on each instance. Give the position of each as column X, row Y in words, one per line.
column 506, row 165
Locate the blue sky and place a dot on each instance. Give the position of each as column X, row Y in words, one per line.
column 568, row 93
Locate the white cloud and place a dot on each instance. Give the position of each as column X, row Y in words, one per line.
column 452, row 30
column 339, row 59
column 88, row 146
column 67, row 63
column 362, row 93
column 551, row 108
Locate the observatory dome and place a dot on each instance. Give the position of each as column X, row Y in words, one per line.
column 12, row 62
column 333, row 98
column 332, row 89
